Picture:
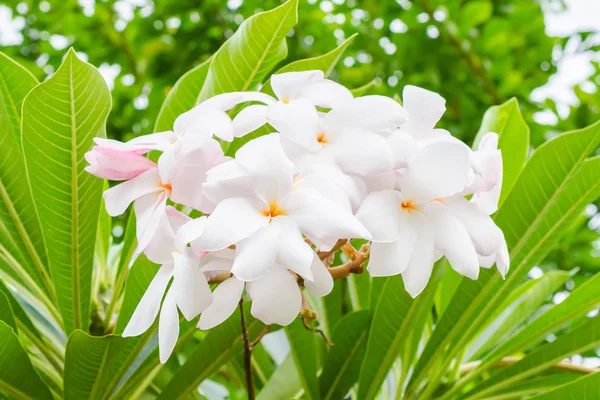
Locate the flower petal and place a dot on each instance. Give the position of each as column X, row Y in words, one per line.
column 403, row 146
column 276, row 297
column 160, row 247
column 381, row 213
column 148, row 211
column 147, row 309
column 362, row 153
column 225, row 301
column 325, row 93
column 256, row 255
column 155, row 141
column 264, row 155
column 227, row 180
column 297, row 121
column 119, row 197
column 293, row 253
column 168, row 327
column 249, row 119
column 192, row 292
column 233, row 220
column 189, row 232
column 284, row 85
column 205, row 121
column 424, row 107
column 392, row 258
column 322, row 283
column 417, row 273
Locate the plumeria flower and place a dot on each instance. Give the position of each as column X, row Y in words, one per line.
column 351, row 135
column 276, row 296
column 189, row 291
column 268, row 227
column 289, row 88
column 409, row 225
column 486, row 162
column 109, row 161
column 150, row 190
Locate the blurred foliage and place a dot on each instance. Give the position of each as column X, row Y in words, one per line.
column 475, row 53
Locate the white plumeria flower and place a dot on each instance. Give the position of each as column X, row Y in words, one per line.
column 411, row 224
column 351, row 135
column 290, row 87
column 189, row 291
column 276, row 296
column 182, row 183
column 267, row 227
column 486, row 162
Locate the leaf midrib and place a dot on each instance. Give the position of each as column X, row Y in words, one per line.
column 14, row 391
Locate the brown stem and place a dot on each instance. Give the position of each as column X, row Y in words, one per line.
column 326, row 254
column 247, row 356
column 260, row 336
column 354, row 266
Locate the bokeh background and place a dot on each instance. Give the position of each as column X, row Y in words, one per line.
column 476, row 53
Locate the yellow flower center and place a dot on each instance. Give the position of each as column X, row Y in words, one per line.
column 409, row 206
column 273, row 211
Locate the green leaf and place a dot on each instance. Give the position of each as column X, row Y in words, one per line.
column 342, row 365
column 20, row 231
column 284, row 384
column 182, row 97
column 92, row 362
column 395, row 317
column 539, row 384
column 18, row 379
column 6, row 313
column 359, row 288
column 60, row 118
column 513, row 140
column 254, row 49
column 303, row 345
column 585, row 337
column 474, row 13
column 364, row 89
column 219, row 347
column 586, row 387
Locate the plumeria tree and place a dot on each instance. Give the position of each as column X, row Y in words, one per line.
column 284, row 237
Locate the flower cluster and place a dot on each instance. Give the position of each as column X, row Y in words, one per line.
column 335, row 167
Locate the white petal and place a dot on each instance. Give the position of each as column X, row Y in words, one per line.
column 147, row 309
column 363, row 153
column 119, row 197
column 417, row 273
column 377, row 182
column 168, row 327
column 439, row 170
column 321, row 218
column 155, row 141
column 225, row 301
column 249, row 119
column 294, row 253
column 218, row 261
column 264, row 155
column 392, row 258
column 189, row 232
column 322, row 283
column 303, row 158
column 148, row 211
column 226, row 101
column 381, row 213
column 233, row 220
column 424, row 107
column 276, row 297
column 272, row 188
column 503, row 260
column 377, row 114
column 325, row 93
column 298, row 122
column 205, row 121
column 452, row 239
column 255, row 255
column 161, row 245
column 192, row 292
column 228, row 180
column 285, row 84
column 404, row 148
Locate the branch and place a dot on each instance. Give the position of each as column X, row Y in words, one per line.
column 354, row 266
column 247, row 355
column 323, row 255
column 260, row 336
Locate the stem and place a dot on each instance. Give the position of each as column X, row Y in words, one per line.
column 354, row 266
column 323, row 255
column 116, row 295
column 260, row 336
column 247, row 356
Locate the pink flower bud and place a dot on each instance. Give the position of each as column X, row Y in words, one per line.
column 116, row 165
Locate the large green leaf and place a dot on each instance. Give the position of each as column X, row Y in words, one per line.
column 513, row 140
column 395, row 317
column 20, row 232
column 252, row 52
column 585, row 337
column 219, row 347
column 182, row 97
column 342, row 365
column 538, row 384
column 304, row 350
column 586, row 387
column 284, row 384
column 60, row 118
column 556, row 184
column 18, row 379
column 6, row 312
column 21, row 317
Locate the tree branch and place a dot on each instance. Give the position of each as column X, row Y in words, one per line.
column 247, row 355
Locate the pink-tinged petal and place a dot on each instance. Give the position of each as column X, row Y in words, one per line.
column 192, row 292
column 206, row 122
column 168, row 327
column 424, row 107
column 155, row 141
column 249, row 119
column 276, row 297
column 322, row 283
column 362, row 153
column 376, row 114
column 439, row 170
column 117, row 165
column 218, row 261
column 264, row 155
column 227, row 180
column 256, row 255
column 167, row 164
column 377, row 182
column 297, row 121
column 294, row 253
column 284, row 85
column 325, row 93
column 453, row 240
column 503, row 260
column 161, row 245
column 233, row 220
column 322, row 219
column 225, row 301
column 403, row 146
column 147, row 309
column 485, row 234
column 119, row 197
column 388, row 259
column 148, row 211
column 189, row 232
column 417, row 273
column 382, row 214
